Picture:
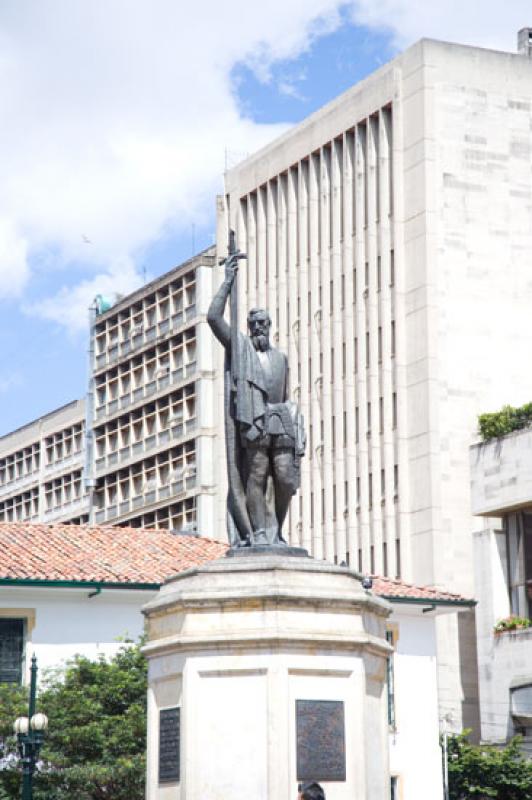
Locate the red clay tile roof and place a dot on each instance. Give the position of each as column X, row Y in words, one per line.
column 98, row 554
column 114, row 555
column 393, row 589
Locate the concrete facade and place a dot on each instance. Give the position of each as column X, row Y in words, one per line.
column 386, row 233
column 503, row 573
column 151, row 454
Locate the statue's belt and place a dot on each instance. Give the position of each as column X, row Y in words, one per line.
column 277, row 421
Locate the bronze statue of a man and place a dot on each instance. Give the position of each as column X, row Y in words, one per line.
column 264, row 430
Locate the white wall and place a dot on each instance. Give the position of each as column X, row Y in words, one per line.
column 415, row 754
column 68, row 622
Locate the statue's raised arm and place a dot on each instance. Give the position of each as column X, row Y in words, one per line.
column 215, row 314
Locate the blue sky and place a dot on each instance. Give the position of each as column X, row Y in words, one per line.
column 120, row 121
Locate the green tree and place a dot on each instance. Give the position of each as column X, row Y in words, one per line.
column 484, row 772
column 96, row 742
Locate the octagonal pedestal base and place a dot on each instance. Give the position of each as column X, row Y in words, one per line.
column 277, row 668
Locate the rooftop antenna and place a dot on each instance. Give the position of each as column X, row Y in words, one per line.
column 193, row 238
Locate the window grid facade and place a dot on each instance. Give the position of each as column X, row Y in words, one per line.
column 148, row 427
column 20, row 468
column 142, row 322
column 64, row 495
column 52, row 456
column 307, row 232
column 169, row 474
column 149, row 430
column 20, row 506
column 155, row 370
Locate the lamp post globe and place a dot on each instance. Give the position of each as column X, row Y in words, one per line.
column 21, row 725
column 39, row 722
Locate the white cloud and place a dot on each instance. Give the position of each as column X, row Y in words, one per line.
column 70, row 306
column 490, row 23
column 13, row 258
column 116, row 115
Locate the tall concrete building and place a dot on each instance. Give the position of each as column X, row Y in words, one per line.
column 390, row 235
column 140, row 449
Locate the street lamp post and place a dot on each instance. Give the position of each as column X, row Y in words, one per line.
column 30, row 736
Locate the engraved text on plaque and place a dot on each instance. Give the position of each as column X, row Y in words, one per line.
column 320, row 736
column 169, row 740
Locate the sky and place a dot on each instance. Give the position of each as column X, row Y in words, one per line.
column 118, row 120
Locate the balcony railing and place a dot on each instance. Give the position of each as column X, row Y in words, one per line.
column 77, row 506
column 145, row 498
column 135, row 449
column 18, row 484
column 61, row 463
column 148, row 335
column 146, row 390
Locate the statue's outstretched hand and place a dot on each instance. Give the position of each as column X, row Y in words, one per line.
column 231, row 267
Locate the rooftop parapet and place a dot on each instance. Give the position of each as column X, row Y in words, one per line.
column 501, row 474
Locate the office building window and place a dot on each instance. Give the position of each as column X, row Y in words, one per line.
column 519, row 548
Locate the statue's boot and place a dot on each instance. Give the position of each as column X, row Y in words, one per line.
column 259, row 538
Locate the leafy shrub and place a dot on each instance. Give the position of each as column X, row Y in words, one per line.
column 95, row 745
column 485, row 772
column 512, row 623
column 508, row 419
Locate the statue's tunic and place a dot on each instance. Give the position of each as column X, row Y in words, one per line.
column 259, row 407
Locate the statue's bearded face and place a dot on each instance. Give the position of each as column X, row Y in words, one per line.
column 259, row 329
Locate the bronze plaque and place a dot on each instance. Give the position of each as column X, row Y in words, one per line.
column 169, row 745
column 320, row 736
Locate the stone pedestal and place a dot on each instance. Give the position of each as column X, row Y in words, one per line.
column 266, row 666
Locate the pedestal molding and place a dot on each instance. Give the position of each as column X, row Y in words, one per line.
column 266, row 640
column 270, row 596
